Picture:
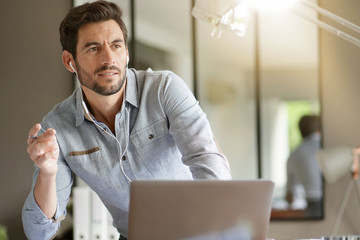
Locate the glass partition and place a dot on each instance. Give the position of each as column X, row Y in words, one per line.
column 163, row 37
column 289, row 89
column 226, row 79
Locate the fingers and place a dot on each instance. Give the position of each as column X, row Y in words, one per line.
column 35, row 129
column 47, row 163
column 39, row 145
column 39, row 149
column 43, row 149
column 47, row 160
column 33, row 133
column 49, row 135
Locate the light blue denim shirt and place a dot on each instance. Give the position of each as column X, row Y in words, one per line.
column 161, row 133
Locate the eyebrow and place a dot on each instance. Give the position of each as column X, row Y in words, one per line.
column 88, row 44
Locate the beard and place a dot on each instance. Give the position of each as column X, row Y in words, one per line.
column 88, row 81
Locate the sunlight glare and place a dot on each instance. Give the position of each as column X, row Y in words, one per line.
column 272, row 5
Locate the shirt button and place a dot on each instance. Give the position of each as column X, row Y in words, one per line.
column 151, row 136
column 123, row 158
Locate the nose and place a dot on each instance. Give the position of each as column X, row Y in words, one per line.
column 108, row 57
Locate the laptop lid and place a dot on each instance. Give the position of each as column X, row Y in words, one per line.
column 205, row 209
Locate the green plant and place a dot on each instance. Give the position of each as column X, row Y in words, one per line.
column 3, row 233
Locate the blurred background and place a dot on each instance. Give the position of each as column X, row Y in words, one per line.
column 254, row 89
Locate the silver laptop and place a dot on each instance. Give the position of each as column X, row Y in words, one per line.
column 200, row 210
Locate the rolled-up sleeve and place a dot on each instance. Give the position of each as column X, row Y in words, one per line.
column 191, row 131
column 36, row 224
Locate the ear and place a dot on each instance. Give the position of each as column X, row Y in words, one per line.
column 66, row 59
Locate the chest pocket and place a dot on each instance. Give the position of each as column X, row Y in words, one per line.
column 152, row 140
column 90, row 167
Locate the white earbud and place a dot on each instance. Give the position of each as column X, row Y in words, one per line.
column 83, row 103
column 72, row 68
column 127, row 60
column 85, row 108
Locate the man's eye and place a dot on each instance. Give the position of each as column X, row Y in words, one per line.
column 93, row 49
column 117, row 46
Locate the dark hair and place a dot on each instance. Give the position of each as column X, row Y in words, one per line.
column 309, row 124
column 98, row 11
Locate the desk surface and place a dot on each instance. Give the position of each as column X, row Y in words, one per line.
column 289, row 213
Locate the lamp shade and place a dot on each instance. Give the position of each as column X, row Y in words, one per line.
column 335, row 162
column 230, row 15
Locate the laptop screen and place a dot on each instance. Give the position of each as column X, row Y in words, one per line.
column 205, row 209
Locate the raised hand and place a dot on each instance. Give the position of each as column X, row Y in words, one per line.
column 43, row 150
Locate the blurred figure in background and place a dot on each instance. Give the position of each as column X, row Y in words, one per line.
column 303, row 169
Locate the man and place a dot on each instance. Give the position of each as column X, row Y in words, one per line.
column 119, row 125
column 303, row 169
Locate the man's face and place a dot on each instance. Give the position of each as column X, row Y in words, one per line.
column 101, row 56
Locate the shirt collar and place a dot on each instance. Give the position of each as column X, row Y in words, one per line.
column 132, row 95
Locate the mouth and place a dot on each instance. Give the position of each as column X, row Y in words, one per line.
column 107, row 74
